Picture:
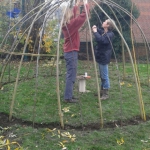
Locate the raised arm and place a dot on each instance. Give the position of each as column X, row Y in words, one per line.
column 79, row 20
column 77, row 2
column 75, row 8
column 95, row 29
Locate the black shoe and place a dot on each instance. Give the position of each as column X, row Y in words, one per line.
column 95, row 94
column 71, row 101
column 74, row 98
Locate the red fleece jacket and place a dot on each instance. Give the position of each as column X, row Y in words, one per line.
column 71, row 34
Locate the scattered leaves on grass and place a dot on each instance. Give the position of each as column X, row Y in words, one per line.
column 61, row 144
column 122, row 83
column 121, row 141
column 66, row 109
column 6, row 128
column 49, row 130
column 144, row 141
column 73, row 115
column 129, row 85
column 66, row 137
column 12, row 135
column 51, row 63
column 6, row 143
column 43, row 136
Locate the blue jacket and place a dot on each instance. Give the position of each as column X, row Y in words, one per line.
column 103, row 49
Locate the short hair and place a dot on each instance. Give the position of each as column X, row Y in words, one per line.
column 111, row 24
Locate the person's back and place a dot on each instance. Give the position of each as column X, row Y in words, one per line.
column 70, row 28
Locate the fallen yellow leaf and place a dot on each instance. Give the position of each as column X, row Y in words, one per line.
column 122, row 83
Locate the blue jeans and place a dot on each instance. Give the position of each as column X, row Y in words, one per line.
column 104, row 75
column 71, row 59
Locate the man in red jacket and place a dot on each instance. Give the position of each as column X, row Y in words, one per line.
column 71, row 25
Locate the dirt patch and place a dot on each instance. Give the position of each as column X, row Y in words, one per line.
column 4, row 122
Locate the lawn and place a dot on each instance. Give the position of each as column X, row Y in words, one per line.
column 36, row 103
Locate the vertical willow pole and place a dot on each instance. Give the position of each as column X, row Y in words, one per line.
column 133, row 67
column 96, row 75
column 142, row 33
column 19, row 69
column 57, row 72
column 136, row 71
column 122, row 44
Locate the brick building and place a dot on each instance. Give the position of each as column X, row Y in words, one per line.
column 143, row 20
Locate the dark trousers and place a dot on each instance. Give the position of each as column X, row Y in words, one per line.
column 71, row 59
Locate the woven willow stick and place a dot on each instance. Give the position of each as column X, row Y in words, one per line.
column 25, row 54
column 95, row 67
column 18, row 74
column 122, row 43
column 135, row 77
column 123, row 58
column 143, row 116
column 142, row 33
column 136, row 69
column 57, row 72
column 13, row 47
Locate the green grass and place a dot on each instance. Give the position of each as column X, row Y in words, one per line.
column 36, row 100
column 136, row 137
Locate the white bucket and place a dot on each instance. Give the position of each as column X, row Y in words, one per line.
column 82, row 85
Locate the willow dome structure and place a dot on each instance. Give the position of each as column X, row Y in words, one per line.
column 36, row 36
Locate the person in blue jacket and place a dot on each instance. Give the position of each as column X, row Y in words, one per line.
column 103, row 51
